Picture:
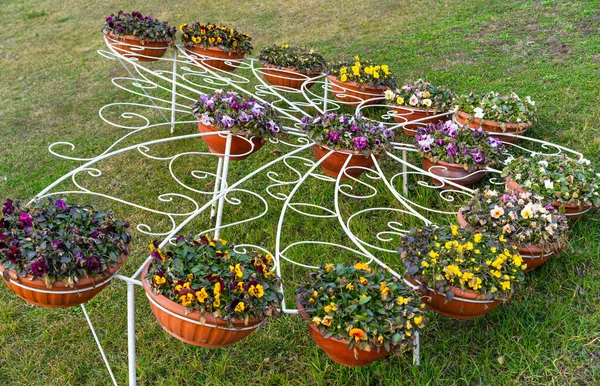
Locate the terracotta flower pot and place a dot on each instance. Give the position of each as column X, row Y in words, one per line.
column 352, row 93
column 453, row 172
column 224, row 61
column 214, row 332
column 132, row 47
column 408, row 113
column 494, row 128
column 532, row 255
column 286, row 77
column 572, row 211
column 465, row 304
column 241, row 147
column 34, row 291
column 333, row 164
column 337, row 349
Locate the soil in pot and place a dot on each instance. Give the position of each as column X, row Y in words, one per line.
column 453, row 172
column 132, row 47
column 333, row 164
column 215, row 57
column 352, row 94
column 214, row 332
column 494, row 128
column 241, row 147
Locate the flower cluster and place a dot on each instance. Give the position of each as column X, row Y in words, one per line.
column 498, row 108
column 363, row 72
column 347, row 132
column 421, row 95
column 54, row 241
column 447, row 142
column 211, row 35
column 370, row 308
column 146, row 28
column 556, row 178
column 208, row 276
column 520, row 217
column 307, row 61
column 231, row 111
column 450, row 256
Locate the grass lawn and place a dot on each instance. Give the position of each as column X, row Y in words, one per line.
column 54, row 83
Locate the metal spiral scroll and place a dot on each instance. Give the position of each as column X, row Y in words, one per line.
column 169, row 93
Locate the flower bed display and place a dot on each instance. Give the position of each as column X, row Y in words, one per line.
column 290, row 66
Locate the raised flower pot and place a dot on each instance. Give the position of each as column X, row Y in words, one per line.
column 453, row 172
column 494, row 128
column 407, row 113
column 133, row 47
column 286, row 77
column 34, row 291
column 215, row 57
column 187, row 327
column 352, row 93
column 241, row 147
column 333, row 164
column 337, row 349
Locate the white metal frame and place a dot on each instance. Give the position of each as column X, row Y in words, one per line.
column 183, row 78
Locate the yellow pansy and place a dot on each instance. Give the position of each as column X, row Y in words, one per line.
column 201, row 295
column 256, row 290
column 400, row 100
column 362, row 267
column 418, row 320
column 454, row 229
column 240, row 307
column 477, row 237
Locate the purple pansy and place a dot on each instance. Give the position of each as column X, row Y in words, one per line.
column 243, row 117
column 477, row 157
column 61, row 204
column 227, row 121
column 92, row 264
column 39, row 267
column 360, row 142
column 333, row 136
column 451, row 150
column 8, row 208
column 271, row 125
column 25, row 219
column 56, row 243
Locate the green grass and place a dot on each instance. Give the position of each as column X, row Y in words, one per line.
column 54, row 82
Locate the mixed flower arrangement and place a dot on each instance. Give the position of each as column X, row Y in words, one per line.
column 556, row 178
column 211, row 35
column 447, row 142
column 421, row 95
column 307, row 61
column 370, row 308
column 206, row 275
column 146, row 28
column 364, row 72
column 242, row 116
column 519, row 217
column 54, row 241
column 347, row 132
column 450, row 256
column 498, row 108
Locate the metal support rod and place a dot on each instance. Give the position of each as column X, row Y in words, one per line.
column 213, row 208
column 131, row 332
column 223, row 185
column 325, row 95
column 404, row 173
column 87, row 317
column 174, row 91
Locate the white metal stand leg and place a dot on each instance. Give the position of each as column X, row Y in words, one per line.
column 223, row 186
column 404, row 171
column 325, row 95
column 87, row 317
column 416, row 348
column 173, row 92
column 213, row 209
column 131, row 332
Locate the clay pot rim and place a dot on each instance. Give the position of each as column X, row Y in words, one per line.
column 180, row 312
column 472, row 168
column 290, row 69
column 360, row 87
column 467, row 295
column 240, row 134
column 215, row 49
column 419, row 110
column 346, row 152
column 555, row 203
column 84, row 283
column 520, row 127
column 135, row 38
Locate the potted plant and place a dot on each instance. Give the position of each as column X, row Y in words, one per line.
column 461, row 274
column 346, row 135
column 535, row 227
column 56, row 255
column 571, row 185
column 136, row 36
column 352, row 82
column 205, row 293
column 417, row 100
column 250, row 121
column 457, row 154
column 357, row 314
column 496, row 114
column 223, row 46
column 290, row 66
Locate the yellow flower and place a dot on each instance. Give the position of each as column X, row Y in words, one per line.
column 328, row 267
column 418, row 320
column 454, row 229
column 362, row 267
column 217, row 289
column 426, row 94
column 448, row 245
column 356, row 70
column 517, row 260
column 357, row 334
column 451, row 271
column 332, row 307
column 201, row 295
column 427, row 102
column 477, row 237
column 385, row 69
column 505, row 285
column 187, row 285
column 343, row 70
column 349, row 287
column 493, row 249
column 182, row 26
column 217, row 302
column 502, row 238
column 316, row 320
column 344, row 77
column 376, row 75
column 495, row 273
column 211, row 40
column 380, row 339
column 240, row 286
column 327, row 320
column 363, row 281
column 384, row 289
column 400, row 100
column 240, row 307
column 158, row 280
column 526, row 212
column 402, row 300
column 237, row 269
column 408, row 325
column 178, row 288
column 424, row 264
column 186, row 299
column 257, row 291
column 315, row 294
column 196, row 39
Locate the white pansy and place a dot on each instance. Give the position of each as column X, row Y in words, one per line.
column 478, row 112
column 529, row 100
column 389, row 94
column 548, row 184
column 543, row 164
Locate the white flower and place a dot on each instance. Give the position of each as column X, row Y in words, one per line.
column 518, row 119
column 543, row 164
column 528, row 99
column 389, row 94
column 518, row 176
column 583, row 161
column 494, row 107
column 548, row 184
column 413, row 100
column 497, row 212
column 427, row 102
column 478, row 112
